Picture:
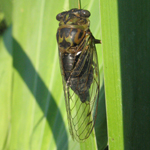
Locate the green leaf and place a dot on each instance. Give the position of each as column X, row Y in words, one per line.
column 35, row 100
column 110, row 38
column 6, row 75
column 126, row 52
column 6, row 9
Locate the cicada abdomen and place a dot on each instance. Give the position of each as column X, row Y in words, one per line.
column 79, row 69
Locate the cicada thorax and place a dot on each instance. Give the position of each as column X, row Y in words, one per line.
column 69, row 38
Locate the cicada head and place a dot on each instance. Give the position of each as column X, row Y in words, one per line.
column 74, row 16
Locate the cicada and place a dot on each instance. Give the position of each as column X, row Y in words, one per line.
column 79, row 70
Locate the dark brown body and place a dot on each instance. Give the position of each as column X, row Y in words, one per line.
column 74, row 67
column 79, row 69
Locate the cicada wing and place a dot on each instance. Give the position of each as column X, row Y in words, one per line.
column 72, row 102
column 82, row 96
column 67, row 96
column 95, row 86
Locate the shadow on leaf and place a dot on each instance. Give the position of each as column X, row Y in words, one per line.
column 40, row 92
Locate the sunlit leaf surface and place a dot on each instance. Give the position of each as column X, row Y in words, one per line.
column 31, row 92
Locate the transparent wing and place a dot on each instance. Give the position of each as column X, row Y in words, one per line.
column 82, row 90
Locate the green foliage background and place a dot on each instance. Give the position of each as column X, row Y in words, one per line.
column 32, row 105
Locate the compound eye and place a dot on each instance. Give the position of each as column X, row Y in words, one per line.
column 85, row 13
column 60, row 16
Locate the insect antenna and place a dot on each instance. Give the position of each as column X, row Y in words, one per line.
column 64, row 9
column 85, row 6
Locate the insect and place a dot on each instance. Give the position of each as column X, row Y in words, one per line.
column 79, row 70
